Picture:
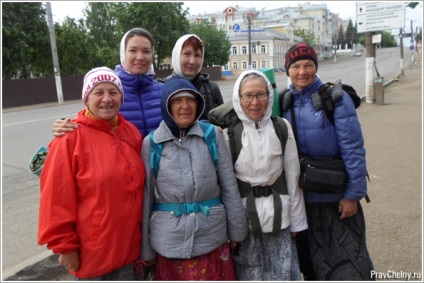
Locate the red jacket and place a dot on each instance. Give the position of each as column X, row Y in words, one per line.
column 91, row 195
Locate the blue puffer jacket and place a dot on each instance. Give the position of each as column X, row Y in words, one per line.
column 317, row 137
column 142, row 100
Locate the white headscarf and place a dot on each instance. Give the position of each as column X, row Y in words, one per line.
column 236, row 97
column 176, row 55
column 123, row 58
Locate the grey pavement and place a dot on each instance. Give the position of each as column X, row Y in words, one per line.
column 48, row 268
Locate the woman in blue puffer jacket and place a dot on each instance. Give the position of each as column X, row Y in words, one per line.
column 142, row 91
column 334, row 247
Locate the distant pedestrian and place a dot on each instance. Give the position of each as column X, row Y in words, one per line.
column 334, row 247
column 92, row 187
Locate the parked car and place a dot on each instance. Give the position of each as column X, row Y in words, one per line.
column 279, row 70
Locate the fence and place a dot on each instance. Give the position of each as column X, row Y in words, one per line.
column 22, row 92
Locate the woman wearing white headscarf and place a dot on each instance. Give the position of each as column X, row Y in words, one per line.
column 187, row 61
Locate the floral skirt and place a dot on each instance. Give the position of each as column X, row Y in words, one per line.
column 214, row 266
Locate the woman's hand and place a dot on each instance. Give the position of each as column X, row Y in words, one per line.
column 71, row 261
column 61, row 127
column 347, row 208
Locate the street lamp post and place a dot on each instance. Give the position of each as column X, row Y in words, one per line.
column 249, row 41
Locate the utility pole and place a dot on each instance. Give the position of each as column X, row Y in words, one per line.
column 401, row 52
column 54, row 54
column 412, row 45
column 369, row 68
column 250, row 41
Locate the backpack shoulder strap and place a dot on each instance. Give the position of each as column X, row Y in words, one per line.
column 234, row 134
column 155, row 154
column 326, row 101
column 281, row 130
column 210, row 139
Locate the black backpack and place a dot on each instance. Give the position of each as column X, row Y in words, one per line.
column 225, row 116
column 329, row 94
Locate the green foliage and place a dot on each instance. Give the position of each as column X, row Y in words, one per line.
column 164, row 20
column 26, row 44
column 349, row 35
column 387, row 39
column 217, row 45
column 340, row 37
column 74, row 47
column 362, row 40
column 412, row 5
column 103, row 33
column 307, row 35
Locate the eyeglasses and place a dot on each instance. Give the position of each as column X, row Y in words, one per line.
column 250, row 97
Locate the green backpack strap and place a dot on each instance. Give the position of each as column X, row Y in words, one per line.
column 155, row 154
column 210, row 139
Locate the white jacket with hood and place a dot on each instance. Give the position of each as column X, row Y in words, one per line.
column 261, row 161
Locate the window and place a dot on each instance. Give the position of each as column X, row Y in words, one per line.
column 263, row 64
column 234, row 50
column 263, row 49
column 226, row 68
column 244, row 50
column 254, row 65
column 235, row 66
column 244, row 66
column 254, row 49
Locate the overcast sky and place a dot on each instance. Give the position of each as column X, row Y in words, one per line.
column 345, row 9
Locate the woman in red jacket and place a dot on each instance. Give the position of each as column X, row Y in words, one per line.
column 92, row 187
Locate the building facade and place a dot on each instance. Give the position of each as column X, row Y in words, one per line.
column 260, row 39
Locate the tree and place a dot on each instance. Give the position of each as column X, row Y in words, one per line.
column 340, row 37
column 387, row 39
column 26, row 42
column 349, row 36
column 102, row 29
column 166, row 21
column 75, row 48
column 412, row 5
column 307, row 35
column 217, row 45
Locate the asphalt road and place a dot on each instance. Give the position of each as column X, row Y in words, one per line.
column 24, row 129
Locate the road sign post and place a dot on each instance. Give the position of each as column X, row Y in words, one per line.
column 375, row 16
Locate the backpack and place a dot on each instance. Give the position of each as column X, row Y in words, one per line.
column 225, row 116
column 209, row 137
column 328, row 93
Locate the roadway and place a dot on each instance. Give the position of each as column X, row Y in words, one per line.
column 24, row 129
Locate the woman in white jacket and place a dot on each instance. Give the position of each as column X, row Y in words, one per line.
column 268, row 255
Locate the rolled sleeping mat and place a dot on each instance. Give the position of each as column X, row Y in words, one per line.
column 269, row 73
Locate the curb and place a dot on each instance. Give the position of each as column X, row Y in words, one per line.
column 48, row 269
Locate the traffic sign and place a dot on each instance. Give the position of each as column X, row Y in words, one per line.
column 236, row 27
column 373, row 16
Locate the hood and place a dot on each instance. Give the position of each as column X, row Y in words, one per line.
column 176, row 55
column 173, row 86
column 236, row 98
column 123, row 57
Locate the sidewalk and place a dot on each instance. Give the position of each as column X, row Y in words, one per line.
column 387, row 131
